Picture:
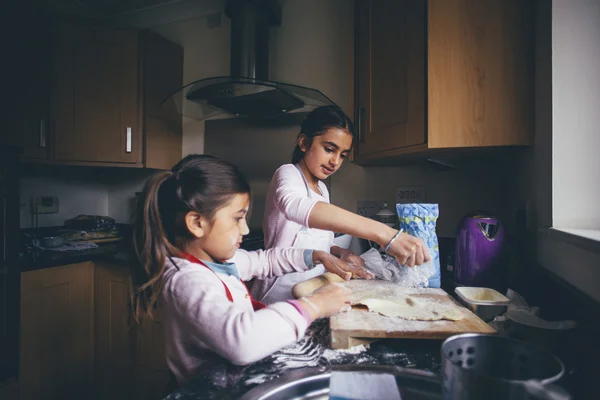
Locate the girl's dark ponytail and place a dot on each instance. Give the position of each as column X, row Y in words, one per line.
column 297, row 154
column 152, row 247
column 317, row 122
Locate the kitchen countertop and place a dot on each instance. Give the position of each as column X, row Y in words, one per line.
column 34, row 259
column 31, row 258
column 227, row 381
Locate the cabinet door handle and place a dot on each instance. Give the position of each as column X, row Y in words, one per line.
column 128, row 143
column 42, row 133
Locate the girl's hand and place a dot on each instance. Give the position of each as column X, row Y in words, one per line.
column 356, row 263
column 345, row 269
column 409, row 250
column 327, row 300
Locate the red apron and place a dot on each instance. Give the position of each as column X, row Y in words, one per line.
column 257, row 305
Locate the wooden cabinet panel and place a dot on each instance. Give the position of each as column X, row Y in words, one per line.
column 434, row 76
column 114, row 333
column 480, row 73
column 35, row 138
column 151, row 371
column 95, row 103
column 91, row 94
column 56, row 349
column 29, row 86
column 162, row 75
column 391, row 68
column 78, row 339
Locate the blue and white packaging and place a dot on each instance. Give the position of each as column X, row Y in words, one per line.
column 419, row 219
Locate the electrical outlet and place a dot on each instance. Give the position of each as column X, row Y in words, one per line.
column 44, row 204
column 368, row 208
column 410, row 194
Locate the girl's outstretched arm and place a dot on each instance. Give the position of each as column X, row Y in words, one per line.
column 407, row 249
column 279, row 261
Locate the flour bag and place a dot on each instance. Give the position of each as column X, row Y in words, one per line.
column 419, row 220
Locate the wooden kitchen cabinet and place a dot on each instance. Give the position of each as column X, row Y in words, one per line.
column 92, row 95
column 57, row 335
column 130, row 357
column 28, row 125
column 151, row 370
column 95, row 94
column 114, row 333
column 79, row 340
column 390, row 51
column 442, row 75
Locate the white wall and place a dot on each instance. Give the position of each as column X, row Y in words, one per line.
column 258, row 149
column 122, row 187
column 313, row 47
column 575, row 113
column 483, row 184
column 79, row 192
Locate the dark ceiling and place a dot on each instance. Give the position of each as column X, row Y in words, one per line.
column 107, row 8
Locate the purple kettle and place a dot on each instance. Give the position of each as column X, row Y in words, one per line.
column 479, row 252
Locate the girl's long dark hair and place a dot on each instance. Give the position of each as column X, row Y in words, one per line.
column 317, row 122
column 200, row 183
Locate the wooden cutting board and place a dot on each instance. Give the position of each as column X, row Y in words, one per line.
column 360, row 326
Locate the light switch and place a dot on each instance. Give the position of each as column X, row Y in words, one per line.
column 44, row 204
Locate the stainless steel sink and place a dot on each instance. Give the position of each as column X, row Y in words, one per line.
column 313, row 383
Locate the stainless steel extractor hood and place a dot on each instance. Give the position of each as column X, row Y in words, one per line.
column 247, row 91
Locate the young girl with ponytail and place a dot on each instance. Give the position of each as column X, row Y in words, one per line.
column 192, row 220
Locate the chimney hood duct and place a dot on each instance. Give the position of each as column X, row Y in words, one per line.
column 247, row 91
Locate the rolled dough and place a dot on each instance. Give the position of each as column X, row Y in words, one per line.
column 306, row 288
column 412, row 309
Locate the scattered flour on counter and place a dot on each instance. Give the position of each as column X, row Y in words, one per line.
column 257, row 380
column 331, row 354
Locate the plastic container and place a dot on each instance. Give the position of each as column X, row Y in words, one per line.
column 51, row 242
column 484, row 302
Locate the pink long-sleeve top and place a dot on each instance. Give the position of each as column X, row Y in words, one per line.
column 287, row 208
column 200, row 324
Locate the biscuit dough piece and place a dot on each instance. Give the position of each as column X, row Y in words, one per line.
column 411, row 309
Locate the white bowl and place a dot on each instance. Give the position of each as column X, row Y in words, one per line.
column 486, row 303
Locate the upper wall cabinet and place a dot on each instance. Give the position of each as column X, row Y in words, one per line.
column 442, row 74
column 95, row 95
column 27, row 125
column 99, row 102
column 390, row 51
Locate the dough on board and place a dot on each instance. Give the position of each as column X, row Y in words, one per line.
column 412, row 309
